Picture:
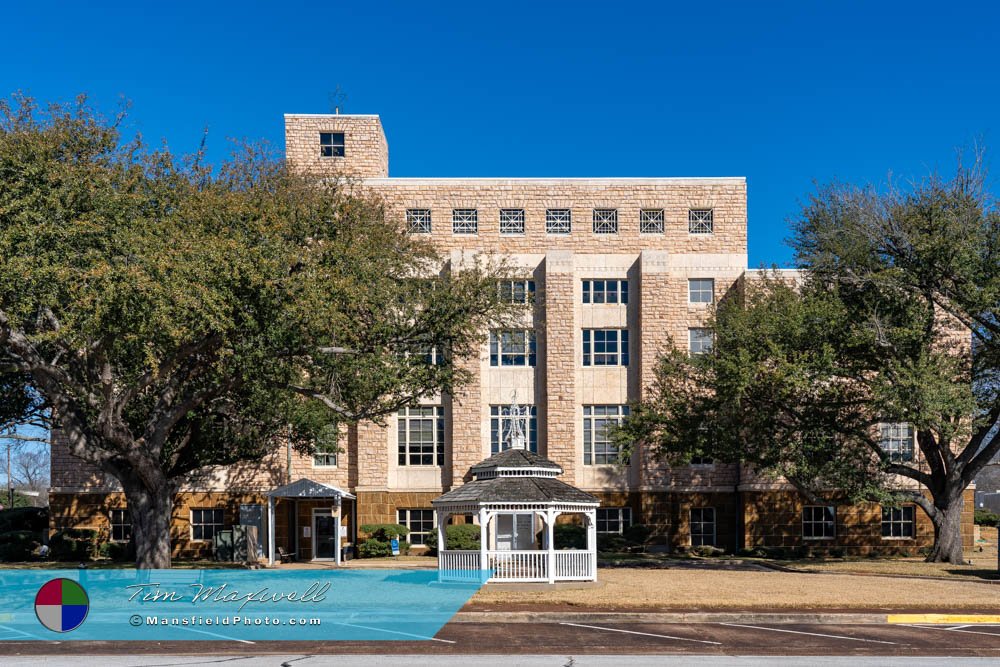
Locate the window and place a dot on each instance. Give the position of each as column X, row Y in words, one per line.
column 465, row 221
column 558, row 221
column 327, row 446
column 651, row 221
column 702, row 526
column 512, row 221
column 605, row 221
column 512, row 347
column 613, row 519
column 421, row 435
column 420, row 522
column 700, row 221
column 331, row 144
column 898, row 522
column 819, row 522
column 598, row 448
column 699, row 341
column 431, row 355
column 702, row 461
column 121, row 525
column 205, row 523
column 517, row 291
column 605, row 347
column 701, row 290
column 897, row 441
column 418, row 220
column 605, row 291
column 501, row 425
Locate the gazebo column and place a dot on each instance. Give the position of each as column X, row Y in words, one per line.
column 592, row 542
column 442, row 542
column 270, row 530
column 483, row 521
column 550, row 540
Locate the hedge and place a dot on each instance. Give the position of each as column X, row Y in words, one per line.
column 460, row 537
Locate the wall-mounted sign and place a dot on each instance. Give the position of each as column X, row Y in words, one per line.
column 306, row 531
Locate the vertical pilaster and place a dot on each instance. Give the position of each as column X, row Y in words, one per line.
column 561, row 332
column 466, row 405
column 655, row 308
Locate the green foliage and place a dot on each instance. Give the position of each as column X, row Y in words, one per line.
column 637, row 533
column 34, row 519
column 73, row 544
column 569, row 536
column 372, row 548
column 385, row 531
column 377, row 545
column 116, row 551
column 17, row 545
column 985, row 517
column 460, row 537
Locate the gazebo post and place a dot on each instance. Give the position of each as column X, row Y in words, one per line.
column 550, row 534
column 483, row 560
column 270, row 530
column 336, row 533
column 592, row 542
column 442, row 518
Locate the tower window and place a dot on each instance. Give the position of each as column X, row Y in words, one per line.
column 331, row 144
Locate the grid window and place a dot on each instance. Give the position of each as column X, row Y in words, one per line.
column 331, row 144
column 819, row 522
column 205, row 523
column 605, row 221
column 598, row 422
column 613, row 519
column 514, row 347
column 502, row 423
column 512, row 221
column 327, row 446
column 701, row 221
column 418, row 220
column 420, row 522
column 702, row 526
column 431, row 355
column 465, row 221
column 702, row 461
column 896, row 440
column 558, row 221
column 899, row 522
column 121, row 525
column 605, row 291
column 517, row 291
column 605, row 347
column 701, row 290
column 700, row 341
column 651, row 221
column 420, row 432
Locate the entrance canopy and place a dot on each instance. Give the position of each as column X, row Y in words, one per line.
column 307, row 489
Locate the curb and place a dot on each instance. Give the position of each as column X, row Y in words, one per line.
column 860, row 618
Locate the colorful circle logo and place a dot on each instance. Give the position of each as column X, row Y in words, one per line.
column 61, row 605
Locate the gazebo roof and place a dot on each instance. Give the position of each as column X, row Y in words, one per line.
column 307, row 488
column 517, row 490
column 515, row 458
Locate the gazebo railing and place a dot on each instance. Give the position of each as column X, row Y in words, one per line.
column 575, row 564
column 517, row 566
column 459, row 561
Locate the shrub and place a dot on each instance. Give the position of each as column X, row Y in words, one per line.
column 985, row 517
column 707, row 550
column 379, row 536
column 569, row 536
column 24, row 518
column 385, row 531
column 73, row 544
column 461, row 537
column 372, row 548
column 117, row 551
column 637, row 534
column 611, row 543
column 17, row 545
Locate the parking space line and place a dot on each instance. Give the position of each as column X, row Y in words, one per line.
column 395, row 632
column 813, row 634
column 646, row 634
column 955, row 629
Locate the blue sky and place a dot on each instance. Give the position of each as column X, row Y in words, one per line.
column 784, row 93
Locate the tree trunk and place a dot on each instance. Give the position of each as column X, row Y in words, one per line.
column 947, row 521
column 151, row 510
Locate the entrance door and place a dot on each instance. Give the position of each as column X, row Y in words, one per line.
column 515, row 532
column 324, row 535
column 253, row 515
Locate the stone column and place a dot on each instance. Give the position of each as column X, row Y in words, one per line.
column 561, row 360
column 466, row 405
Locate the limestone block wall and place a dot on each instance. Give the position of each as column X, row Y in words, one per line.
column 366, row 152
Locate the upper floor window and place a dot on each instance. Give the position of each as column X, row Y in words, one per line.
column 558, row 221
column 700, row 221
column 205, row 523
column 651, row 221
column 702, row 460
column 331, row 144
column 465, row 221
column 512, row 347
column 121, row 525
column 899, row 522
column 598, row 422
column 702, row 526
column 512, row 221
column 327, row 447
column 418, row 220
column 605, row 291
column 896, row 440
column 700, row 341
column 420, row 431
column 431, row 355
column 605, row 221
column 420, row 523
column 701, row 290
column 613, row 519
column 502, row 426
column 517, row 291
column 605, row 347
column 819, row 522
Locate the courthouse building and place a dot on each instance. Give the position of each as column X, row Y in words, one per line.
column 610, row 269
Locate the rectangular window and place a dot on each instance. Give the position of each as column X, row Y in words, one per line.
column 502, row 426
column 701, row 290
column 512, row 221
column 517, row 291
column 899, row 522
column 331, row 144
column 515, row 347
column 418, row 220
column 420, row 522
column 420, row 431
column 897, row 441
column 605, row 347
column 819, row 522
column 605, row 221
column 558, row 221
column 613, row 519
column 121, row 525
column 327, row 446
column 702, row 461
column 651, row 221
column 431, row 355
column 700, row 341
column 205, row 523
column 702, row 526
column 700, row 221
column 598, row 448
column 605, row 291
column 465, row 221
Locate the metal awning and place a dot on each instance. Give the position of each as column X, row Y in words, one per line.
column 307, row 488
